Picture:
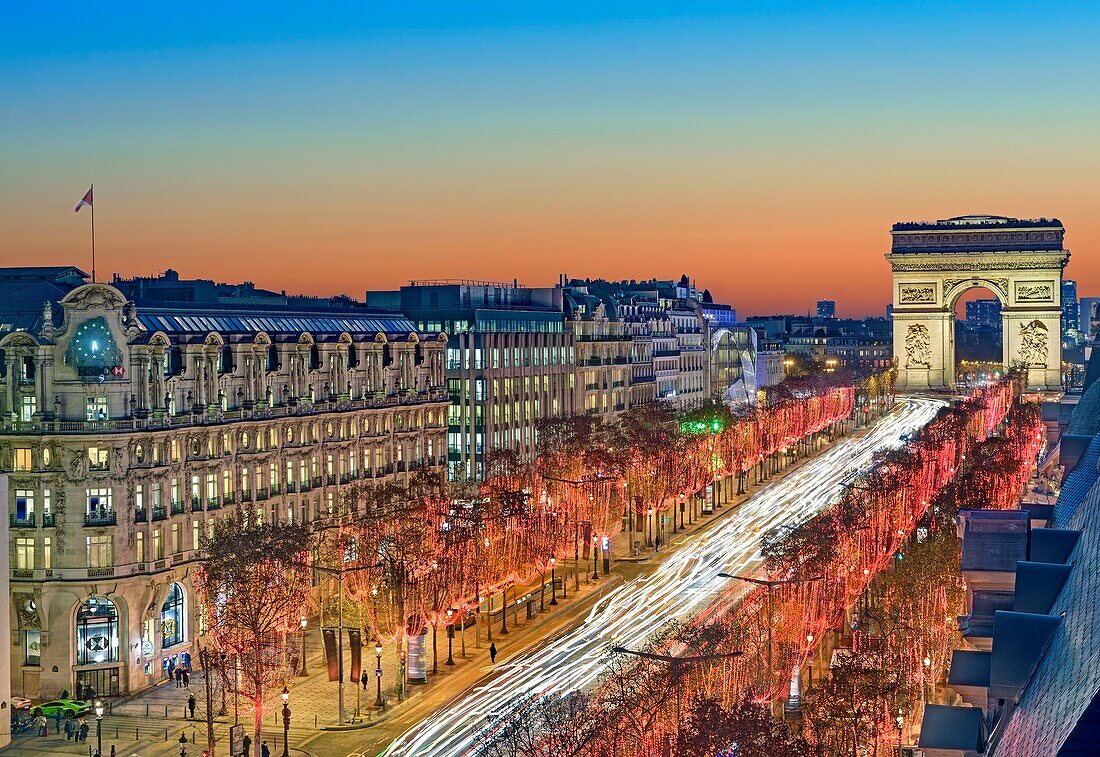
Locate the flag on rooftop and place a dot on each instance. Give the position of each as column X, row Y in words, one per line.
column 85, row 200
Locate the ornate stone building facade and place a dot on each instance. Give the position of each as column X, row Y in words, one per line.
column 934, row 264
column 129, row 427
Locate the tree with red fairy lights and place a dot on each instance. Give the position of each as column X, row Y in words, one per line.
column 742, row 729
column 252, row 584
column 870, row 530
column 544, row 725
column 850, row 713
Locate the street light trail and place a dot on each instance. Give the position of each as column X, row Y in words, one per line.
column 680, row 587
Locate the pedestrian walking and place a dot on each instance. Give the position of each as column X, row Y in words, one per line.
column 191, row 704
column 43, row 726
column 365, row 679
column 186, row 678
column 57, row 723
column 70, row 728
column 264, row 751
column 493, row 653
column 247, row 744
column 83, row 730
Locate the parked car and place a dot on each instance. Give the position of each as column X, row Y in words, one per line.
column 69, row 708
column 20, row 703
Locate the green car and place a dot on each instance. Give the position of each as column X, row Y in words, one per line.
column 69, row 708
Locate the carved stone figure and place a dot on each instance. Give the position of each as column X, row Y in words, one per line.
column 1033, row 344
column 915, row 294
column 918, row 347
column 1034, row 292
column 77, row 465
column 26, row 606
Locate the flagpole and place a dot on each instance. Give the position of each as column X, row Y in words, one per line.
column 91, row 188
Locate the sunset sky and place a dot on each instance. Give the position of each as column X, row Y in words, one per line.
column 764, row 148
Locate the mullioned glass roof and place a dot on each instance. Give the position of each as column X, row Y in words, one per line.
column 273, row 323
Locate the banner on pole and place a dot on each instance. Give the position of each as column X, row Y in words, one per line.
column 355, row 640
column 329, row 637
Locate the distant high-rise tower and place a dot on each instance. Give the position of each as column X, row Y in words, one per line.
column 1071, row 308
column 983, row 314
column 1087, row 314
column 826, row 308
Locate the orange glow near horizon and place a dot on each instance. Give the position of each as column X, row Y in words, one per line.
column 756, row 264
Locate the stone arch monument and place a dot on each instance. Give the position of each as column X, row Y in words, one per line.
column 1019, row 260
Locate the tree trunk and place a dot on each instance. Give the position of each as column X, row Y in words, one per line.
column 258, row 718
column 435, row 652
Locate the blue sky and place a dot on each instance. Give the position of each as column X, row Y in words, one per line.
column 513, row 139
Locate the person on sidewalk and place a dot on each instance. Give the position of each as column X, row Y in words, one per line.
column 186, row 678
column 70, row 728
column 364, row 679
column 191, row 704
column 493, row 653
column 264, row 751
column 57, row 723
column 83, row 731
column 43, row 726
column 179, row 678
column 171, row 670
column 247, row 744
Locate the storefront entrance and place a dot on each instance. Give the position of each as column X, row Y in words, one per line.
column 105, row 681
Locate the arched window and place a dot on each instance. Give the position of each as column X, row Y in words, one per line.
column 172, row 617
column 96, row 632
column 226, row 364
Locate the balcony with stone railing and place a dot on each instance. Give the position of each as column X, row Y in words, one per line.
column 159, row 420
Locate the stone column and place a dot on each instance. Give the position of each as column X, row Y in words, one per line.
column 13, row 384
column 200, row 380
column 40, row 385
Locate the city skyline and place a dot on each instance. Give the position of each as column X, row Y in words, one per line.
column 386, row 144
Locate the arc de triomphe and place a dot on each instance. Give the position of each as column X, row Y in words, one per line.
column 1019, row 260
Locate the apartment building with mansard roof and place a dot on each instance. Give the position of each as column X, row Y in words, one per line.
column 129, row 423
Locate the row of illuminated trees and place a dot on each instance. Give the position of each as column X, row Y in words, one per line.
column 424, row 553
column 886, row 549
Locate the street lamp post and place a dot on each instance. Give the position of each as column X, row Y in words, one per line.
column 450, row 637
column 674, row 665
column 595, row 558
column 286, row 720
column 378, row 674
column 770, row 585
column 99, row 726
column 302, row 669
column 553, row 580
